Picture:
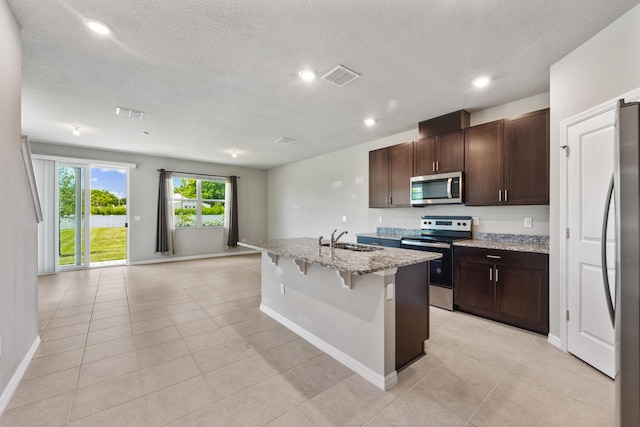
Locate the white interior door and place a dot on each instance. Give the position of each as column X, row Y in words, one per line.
column 590, row 165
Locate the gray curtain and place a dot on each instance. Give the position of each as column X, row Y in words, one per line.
column 164, row 225
column 232, row 211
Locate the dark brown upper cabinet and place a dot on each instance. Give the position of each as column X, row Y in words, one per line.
column 507, row 161
column 483, row 174
column 390, row 170
column 439, row 154
column 526, row 166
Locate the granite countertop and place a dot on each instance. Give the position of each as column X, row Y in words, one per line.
column 357, row 263
column 505, row 246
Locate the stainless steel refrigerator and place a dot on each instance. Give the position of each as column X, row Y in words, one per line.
column 625, row 313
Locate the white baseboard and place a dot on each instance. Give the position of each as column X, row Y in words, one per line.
column 189, row 258
column 554, row 341
column 17, row 375
column 380, row 381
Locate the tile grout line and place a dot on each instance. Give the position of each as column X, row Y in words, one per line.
column 468, row 420
column 84, row 347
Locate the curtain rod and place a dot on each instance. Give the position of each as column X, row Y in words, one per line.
column 199, row 174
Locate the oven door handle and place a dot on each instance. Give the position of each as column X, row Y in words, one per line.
column 449, row 181
column 426, row 244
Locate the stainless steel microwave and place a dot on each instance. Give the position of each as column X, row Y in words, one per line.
column 436, row 189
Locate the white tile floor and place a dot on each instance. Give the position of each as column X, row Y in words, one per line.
column 184, row 344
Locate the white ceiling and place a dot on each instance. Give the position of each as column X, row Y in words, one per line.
column 217, row 76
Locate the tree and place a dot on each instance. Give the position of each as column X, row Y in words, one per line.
column 67, row 190
column 103, row 198
column 212, row 190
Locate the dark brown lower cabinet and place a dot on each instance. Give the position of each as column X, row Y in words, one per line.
column 412, row 313
column 507, row 286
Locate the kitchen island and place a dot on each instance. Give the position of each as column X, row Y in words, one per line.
column 368, row 307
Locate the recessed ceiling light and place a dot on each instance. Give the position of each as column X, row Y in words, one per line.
column 76, row 130
column 307, row 75
column 234, row 154
column 98, row 26
column 369, row 122
column 481, row 81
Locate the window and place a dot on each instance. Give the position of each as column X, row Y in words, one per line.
column 198, row 202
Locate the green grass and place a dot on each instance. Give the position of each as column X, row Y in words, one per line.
column 107, row 244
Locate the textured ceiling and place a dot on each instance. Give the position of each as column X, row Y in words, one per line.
column 217, row 76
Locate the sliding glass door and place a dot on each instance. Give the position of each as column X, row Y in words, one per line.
column 92, row 215
column 73, row 242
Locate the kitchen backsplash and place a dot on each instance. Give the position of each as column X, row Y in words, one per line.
column 513, row 238
column 494, row 237
column 397, row 231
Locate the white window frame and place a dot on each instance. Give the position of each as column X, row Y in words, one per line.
column 199, row 201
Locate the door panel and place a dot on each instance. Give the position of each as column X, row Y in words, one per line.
column 526, row 147
column 378, row 178
column 424, row 156
column 483, row 164
column 450, row 155
column 71, row 216
column 589, row 168
column 400, row 172
column 474, row 287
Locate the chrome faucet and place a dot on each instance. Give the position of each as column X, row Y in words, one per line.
column 335, row 240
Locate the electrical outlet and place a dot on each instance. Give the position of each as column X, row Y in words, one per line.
column 528, row 222
column 282, row 288
column 379, row 220
column 344, row 218
column 475, row 220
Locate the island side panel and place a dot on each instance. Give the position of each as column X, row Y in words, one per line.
column 359, row 322
column 412, row 312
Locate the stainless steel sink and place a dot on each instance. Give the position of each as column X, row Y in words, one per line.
column 354, row 247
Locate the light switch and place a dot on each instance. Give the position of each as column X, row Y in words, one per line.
column 344, row 218
column 282, row 288
column 379, row 220
column 390, row 291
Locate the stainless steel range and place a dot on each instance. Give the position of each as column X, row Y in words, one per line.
column 437, row 235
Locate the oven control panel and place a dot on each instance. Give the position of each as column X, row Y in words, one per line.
column 457, row 223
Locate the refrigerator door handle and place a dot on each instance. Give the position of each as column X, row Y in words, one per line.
column 603, row 254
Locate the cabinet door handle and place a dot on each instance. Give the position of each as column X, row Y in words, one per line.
column 437, row 166
column 496, row 275
column 494, row 256
column 506, row 196
column 390, row 200
column 491, row 274
column 499, row 195
column 433, row 166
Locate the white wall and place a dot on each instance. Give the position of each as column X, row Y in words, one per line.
column 310, row 197
column 18, row 264
column 142, row 201
column 603, row 68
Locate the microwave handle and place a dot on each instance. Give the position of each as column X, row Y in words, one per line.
column 449, row 187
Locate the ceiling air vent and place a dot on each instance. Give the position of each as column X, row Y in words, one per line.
column 128, row 112
column 285, row 140
column 340, row 76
